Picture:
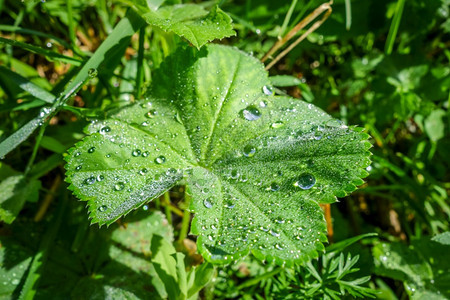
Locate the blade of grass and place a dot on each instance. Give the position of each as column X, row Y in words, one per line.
column 140, row 63
column 394, row 27
column 50, row 55
column 121, row 34
column 348, row 14
column 287, row 18
column 27, row 85
column 17, row 29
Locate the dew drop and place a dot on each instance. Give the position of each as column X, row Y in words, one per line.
column 249, row 151
column 143, row 171
column 251, row 113
column 102, row 208
column 105, row 129
column 267, row 90
column 91, row 150
column 90, row 180
column 151, row 114
column 92, row 73
column 160, row 160
column 119, row 186
column 145, row 154
column 305, row 181
column 277, row 124
column 229, row 204
column 274, row 187
column 136, row 153
column 78, row 168
column 234, row 174
column 208, row 203
column 100, row 178
column 77, row 154
column 278, row 247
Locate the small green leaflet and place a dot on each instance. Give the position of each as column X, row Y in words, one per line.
column 192, row 22
column 256, row 165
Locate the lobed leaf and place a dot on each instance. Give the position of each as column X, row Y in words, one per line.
column 257, row 165
column 192, row 22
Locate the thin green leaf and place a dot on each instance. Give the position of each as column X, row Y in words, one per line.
column 27, row 85
column 50, row 55
column 394, row 27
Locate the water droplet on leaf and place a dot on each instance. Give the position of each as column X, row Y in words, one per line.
column 249, row 151
column 277, row 124
column 267, row 90
column 136, row 153
column 91, row 150
column 160, row 160
column 92, row 73
column 102, row 208
column 119, row 186
column 90, row 180
column 305, row 181
column 251, row 113
column 105, row 129
column 151, row 114
column 208, row 203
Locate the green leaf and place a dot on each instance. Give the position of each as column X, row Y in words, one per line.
column 423, row 266
column 434, row 125
column 202, row 275
column 192, row 22
column 166, row 261
column 257, row 165
column 16, row 190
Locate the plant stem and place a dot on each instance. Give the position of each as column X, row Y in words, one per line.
column 186, row 219
column 325, row 7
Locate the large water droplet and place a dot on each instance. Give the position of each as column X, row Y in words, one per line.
column 151, row 114
column 105, row 129
column 160, row 160
column 90, row 180
column 91, row 150
column 119, row 186
column 249, row 150
column 305, row 181
column 136, row 153
column 267, row 90
column 251, row 113
column 102, row 208
column 208, row 203
column 92, row 73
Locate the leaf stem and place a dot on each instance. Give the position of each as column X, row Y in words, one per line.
column 167, row 207
column 186, row 219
